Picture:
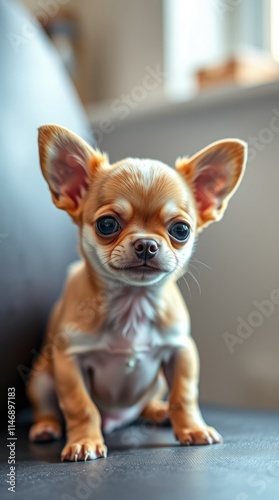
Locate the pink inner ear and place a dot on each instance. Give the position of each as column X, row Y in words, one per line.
column 212, row 185
column 67, row 175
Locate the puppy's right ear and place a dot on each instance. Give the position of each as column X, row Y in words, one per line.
column 68, row 164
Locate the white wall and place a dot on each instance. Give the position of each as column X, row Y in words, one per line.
column 117, row 40
column 242, row 249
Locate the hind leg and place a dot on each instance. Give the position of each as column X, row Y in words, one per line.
column 47, row 417
column 41, row 389
column 157, row 410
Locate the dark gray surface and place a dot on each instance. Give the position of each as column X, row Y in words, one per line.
column 146, row 462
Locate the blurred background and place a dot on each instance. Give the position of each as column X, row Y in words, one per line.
column 200, row 45
column 159, row 79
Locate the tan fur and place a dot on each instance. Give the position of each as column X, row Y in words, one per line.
column 145, row 196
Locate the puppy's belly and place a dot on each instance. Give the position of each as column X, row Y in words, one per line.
column 120, row 379
column 122, row 383
column 121, row 372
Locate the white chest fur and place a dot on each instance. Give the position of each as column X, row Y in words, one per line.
column 132, row 309
column 131, row 324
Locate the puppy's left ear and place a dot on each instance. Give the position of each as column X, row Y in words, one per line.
column 214, row 174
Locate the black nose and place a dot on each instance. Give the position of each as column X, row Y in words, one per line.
column 146, row 249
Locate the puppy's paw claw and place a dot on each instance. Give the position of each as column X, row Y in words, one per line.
column 85, row 449
column 200, row 436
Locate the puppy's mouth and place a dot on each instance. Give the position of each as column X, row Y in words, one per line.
column 140, row 268
column 141, row 272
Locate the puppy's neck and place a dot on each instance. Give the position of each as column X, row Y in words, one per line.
column 127, row 309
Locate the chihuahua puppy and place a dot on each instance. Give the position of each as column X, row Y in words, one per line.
column 121, row 325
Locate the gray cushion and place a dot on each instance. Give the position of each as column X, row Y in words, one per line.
column 37, row 241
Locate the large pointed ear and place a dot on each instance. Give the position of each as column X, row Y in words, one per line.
column 68, row 164
column 214, row 175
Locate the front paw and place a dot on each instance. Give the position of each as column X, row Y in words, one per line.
column 198, row 436
column 84, row 449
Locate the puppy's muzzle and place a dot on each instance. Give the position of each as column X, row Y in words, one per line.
column 146, row 249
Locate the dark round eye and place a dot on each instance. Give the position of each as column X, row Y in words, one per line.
column 180, row 231
column 107, row 225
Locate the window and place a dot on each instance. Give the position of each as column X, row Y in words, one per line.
column 203, row 33
column 274, row 29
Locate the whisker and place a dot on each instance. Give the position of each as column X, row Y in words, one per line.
column 184, row 279
column 192, row 265
column 103, row 261
column 200, row 262
column 195, row 279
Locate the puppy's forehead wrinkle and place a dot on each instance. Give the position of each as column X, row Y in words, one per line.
column 144, row 172
column 142, row 182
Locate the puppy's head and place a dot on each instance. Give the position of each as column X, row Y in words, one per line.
column 138, row 218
